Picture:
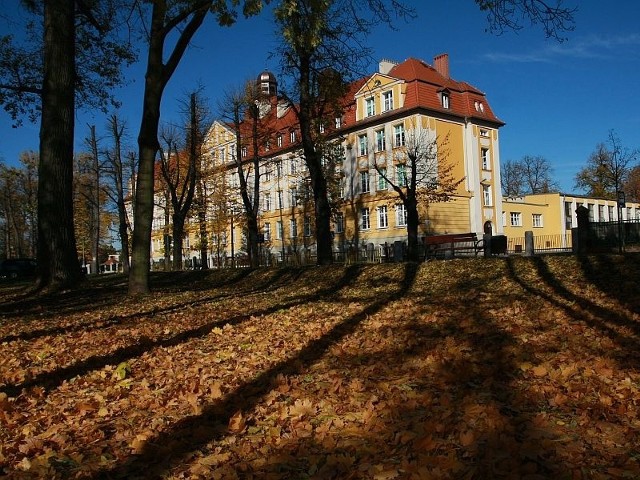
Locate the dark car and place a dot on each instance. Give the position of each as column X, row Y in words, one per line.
column 18, row 268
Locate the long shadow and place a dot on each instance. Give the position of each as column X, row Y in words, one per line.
column 170, row 447
column 53, row 379
column 586, row 312
column 615, row 275
column 270, row 283
column 481, row 378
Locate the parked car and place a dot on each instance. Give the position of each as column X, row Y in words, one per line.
column 18, row 268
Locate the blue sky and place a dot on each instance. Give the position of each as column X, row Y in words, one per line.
column 558, row 99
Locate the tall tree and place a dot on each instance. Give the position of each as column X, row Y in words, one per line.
column 511, row 179
column 169, row 19
column 632, row 185
column 322, row 49
column 115, row 169
column 607, row 168
column 422, row 172
column 45, row 77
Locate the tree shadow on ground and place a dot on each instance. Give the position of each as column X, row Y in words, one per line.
column 172, row 446
column 53, row 379
column 620, row 327
column 98, row 299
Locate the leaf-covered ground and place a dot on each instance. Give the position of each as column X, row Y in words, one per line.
column 464, row 369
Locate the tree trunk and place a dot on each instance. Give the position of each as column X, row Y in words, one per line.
column 95, row 203
column 202, row 221
column 148, row 147
column 413, row 221
column 178, row 232
column 58, row 265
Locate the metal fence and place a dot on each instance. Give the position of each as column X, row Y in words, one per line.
column 541, row 243
column 612, row 235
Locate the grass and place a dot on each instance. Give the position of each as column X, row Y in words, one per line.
column 496, row 368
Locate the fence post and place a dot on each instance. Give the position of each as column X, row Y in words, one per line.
column 583, row 230
column 528, row 244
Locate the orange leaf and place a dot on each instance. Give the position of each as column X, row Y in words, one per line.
column 237, row 422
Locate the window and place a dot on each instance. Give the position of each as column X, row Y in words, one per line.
column 380, row 140
column 611, row 214
column 383, row 221
column 371, row 106
column 486, row 162
column 568, row 216
column 292, row 136
column 266, row 228
column 536, row 220
column 601, row 213
column 279, row 232
column 398, row 135
column 388, row 100
column 222, row 153
column 364, row 182
column 293, row 228
column 280, row 199
column 292, row 166
column 267, row 146
column 321, row 127
column 382, row 181
column 339, row 222
column 279, row 140
column 590, row 207
column 267, row 174
column 338, row 121
column 307, row 226
column 362, row 144
column 516, row 219
column 484, row 133
column 486, row 195
column 244, row 152
column 365, row 221
column 401, row 215
column 401, row 175
column 445, row 100
column 279, row 168
column 267, row 202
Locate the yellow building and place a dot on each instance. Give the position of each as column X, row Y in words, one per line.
column 551, row 216
column 381, row 116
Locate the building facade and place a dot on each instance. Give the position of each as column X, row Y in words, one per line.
column 403, row 106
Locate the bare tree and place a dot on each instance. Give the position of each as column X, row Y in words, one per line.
column 116, row 170
column 607, row 168
column 529, row 175
column 422, row 172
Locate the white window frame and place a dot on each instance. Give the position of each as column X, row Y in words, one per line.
column 382, row 181
column 370, row 105
column 279, row 230
column 279, row 140
column 487, row 198
column 383, row 217
column 446, row 100
column 537, row 220
column 267, row 202
column 292, row 136
column 388, row 100
column 365, row 186
column 365, row 219
column 515, row 219
column 266, row 229
column 398, row 135
column 363, row 145
column 401, row 215
column 381, row 142
column 293, row 228
column 401, row 175
column 339, row 222
column 486, row 158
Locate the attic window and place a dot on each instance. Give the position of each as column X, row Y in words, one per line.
column 484, row 133
column 338, row 122
column 479, row 107
column 445, row 100
column 292, row 136
column 371, row 106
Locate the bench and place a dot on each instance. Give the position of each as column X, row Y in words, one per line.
column 448, row 244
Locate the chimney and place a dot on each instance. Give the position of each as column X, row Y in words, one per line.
column 441, row 64
column 386, row 65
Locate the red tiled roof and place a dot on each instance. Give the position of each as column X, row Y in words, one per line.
column 424, row 83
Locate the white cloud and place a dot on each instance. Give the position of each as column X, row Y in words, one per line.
column 595, row 46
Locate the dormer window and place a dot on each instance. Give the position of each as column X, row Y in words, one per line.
column 445, row 100
column 279, row 140
column 244, row 152
column 292, row 136
column 387, row 98
column 338, row 122
column 479, row 107
column 371, row 106
column 321, row 128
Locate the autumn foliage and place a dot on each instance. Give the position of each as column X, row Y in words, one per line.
column 461, row 369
